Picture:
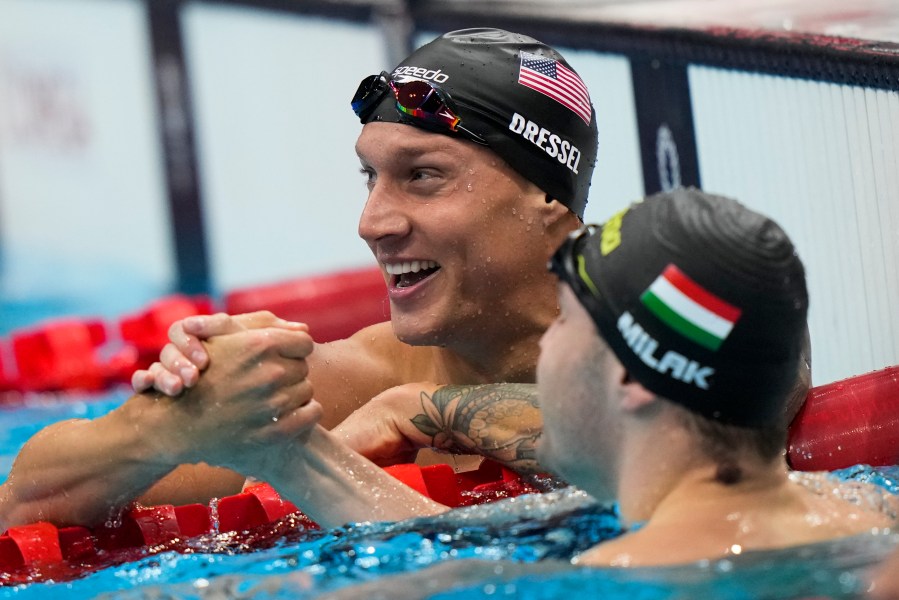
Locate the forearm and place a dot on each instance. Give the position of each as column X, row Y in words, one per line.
column 81, row 471
column 193, row 484
column 499, row 421
column 334, row 484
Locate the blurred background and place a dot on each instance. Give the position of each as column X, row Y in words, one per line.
column 157, row 146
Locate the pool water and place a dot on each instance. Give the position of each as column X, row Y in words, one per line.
column 524, row 545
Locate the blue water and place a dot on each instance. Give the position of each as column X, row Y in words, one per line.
column 36, row 285
column 523, row 547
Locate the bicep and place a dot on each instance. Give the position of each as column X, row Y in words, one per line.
column 501, row 421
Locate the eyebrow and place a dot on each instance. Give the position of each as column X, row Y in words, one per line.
column 408, row 151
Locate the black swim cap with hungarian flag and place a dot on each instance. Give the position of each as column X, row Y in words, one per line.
column 505, row 90
column 702, row 300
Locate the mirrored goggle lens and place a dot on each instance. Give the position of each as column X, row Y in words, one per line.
column 419, row 99
column 422, row 100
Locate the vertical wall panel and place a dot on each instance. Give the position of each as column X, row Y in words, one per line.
column 82, row 204
column 886, row 181
column 821, row 159
column 618, row 178
column 275, row 137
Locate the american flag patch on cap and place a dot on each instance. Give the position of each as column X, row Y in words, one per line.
column 553, row 79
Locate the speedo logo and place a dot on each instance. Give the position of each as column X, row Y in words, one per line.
column 674, row 364
column 430, row 74
column 554, row 146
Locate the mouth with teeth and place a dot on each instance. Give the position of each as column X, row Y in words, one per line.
column 407, row 274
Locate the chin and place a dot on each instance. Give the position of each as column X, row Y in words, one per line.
column 417, row 336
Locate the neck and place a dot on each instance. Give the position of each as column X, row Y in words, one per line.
column 664, row 472
column 512, row 361
column 504, row 346
column 700, row 492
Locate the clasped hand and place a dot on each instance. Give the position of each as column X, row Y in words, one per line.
column 381, row 430
column 253, row 397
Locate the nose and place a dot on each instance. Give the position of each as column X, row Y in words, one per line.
column 383, row 216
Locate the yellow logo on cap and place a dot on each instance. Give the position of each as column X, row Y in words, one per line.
column 610, row 237
column 585, row 277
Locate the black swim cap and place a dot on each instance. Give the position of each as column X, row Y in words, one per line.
column 520, row 96
column 702, row 300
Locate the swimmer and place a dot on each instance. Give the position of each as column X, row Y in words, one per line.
column 477, row 168
column 682, row 326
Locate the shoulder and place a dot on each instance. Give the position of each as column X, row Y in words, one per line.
column 654, row 546
column 371, row 350
column 348, row 373
column 624, row 551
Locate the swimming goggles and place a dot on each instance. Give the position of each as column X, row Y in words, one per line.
column 419, row 100
column 569, row 264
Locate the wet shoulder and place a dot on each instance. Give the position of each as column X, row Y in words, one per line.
column 853, row 506
column 381, row 350
column 348, row 373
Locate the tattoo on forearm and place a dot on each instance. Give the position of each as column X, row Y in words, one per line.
column 499, row 421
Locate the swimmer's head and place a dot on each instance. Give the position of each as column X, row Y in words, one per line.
column 504, row 90
column 702, row 300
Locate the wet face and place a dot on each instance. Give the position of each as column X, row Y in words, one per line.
column 577, row 391
column 458, row 234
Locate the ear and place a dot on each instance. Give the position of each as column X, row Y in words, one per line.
column 634, row 397
column 558, row 221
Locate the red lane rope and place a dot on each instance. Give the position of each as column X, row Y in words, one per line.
column 41, row 551
column 848, row 422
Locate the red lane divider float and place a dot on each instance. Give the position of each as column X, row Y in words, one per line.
column 848, row 422
column 41, row 551
column 88, row 354
column 8, row 381
column 74, row 354
column 61, row 355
